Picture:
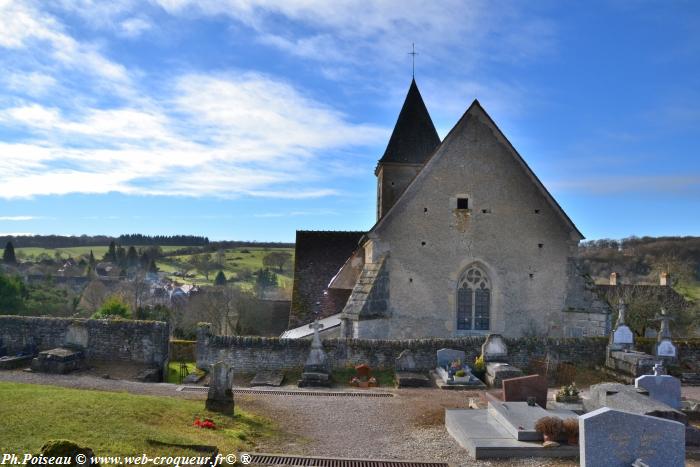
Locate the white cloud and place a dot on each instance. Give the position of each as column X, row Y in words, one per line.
column 242, row 135
column 18, row 218
column 32, row 83
column 24, row 26
column 134, row 27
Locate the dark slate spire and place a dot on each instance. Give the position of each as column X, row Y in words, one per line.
column 414, row 137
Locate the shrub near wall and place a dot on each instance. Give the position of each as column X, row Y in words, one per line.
column 249, row 354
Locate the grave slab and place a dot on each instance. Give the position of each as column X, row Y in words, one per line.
column 407, row 379
column 518, row 418
column 267, row 378
column 609, row 437
column 485, row 438
column 629, row 399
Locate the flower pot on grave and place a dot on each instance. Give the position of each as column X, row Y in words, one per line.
column 461, row 379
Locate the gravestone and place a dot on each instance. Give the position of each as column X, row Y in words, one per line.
column 525, row 387
column 663, row 388
column 494, row 349
column 446, row 356
column 609, row 437
column 316, row 369
column 220, row 395
column 407, row 375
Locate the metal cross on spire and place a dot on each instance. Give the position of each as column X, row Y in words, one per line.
column 413, row 54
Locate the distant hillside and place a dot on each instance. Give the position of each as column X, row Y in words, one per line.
column 641, row 260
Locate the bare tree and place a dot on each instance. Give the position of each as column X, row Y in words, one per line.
column 276, row 259
column 93, row 295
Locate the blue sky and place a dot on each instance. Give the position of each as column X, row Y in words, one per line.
column 249, row 119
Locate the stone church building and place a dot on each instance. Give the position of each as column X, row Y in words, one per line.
column 468, row 241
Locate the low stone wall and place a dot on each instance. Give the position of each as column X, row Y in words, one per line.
column 112, row 340
column 248, row 354
column 688, row 349
column 183, row 350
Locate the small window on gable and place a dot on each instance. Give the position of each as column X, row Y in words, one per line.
column 462, row 203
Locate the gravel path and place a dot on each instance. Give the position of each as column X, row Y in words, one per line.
column 409, row 426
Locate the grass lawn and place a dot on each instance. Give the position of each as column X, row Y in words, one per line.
column 690, row 290
column 174, row 371
column 116, row 423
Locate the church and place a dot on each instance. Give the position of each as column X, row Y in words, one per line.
column 468, row 241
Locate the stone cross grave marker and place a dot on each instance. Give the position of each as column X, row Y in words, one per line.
column 664, row 345
column 220, row 395
column 622, row 336
column 614, row 438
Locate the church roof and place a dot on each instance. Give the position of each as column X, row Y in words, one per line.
column 318, row 257
column 474, row 109
column 414, row 137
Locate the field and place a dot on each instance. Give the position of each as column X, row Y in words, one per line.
column 75, row 252
column 239, row 262
column 116, row 423
column 690, row 290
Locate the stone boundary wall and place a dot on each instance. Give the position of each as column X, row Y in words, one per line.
column 688, row 349
column 248, row 354
column 112, row 340
column 183, row 350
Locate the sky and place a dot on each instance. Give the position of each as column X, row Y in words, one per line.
column 251, row 119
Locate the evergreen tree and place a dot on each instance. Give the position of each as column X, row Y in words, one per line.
column 132, row 258
column 111, row 254
column 8, row 255
column 220, row 278
column 121, row 257
column 145, row 261
column 12, row 295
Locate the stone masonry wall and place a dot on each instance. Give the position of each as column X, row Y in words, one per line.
column 249, row 354
column 122, row 340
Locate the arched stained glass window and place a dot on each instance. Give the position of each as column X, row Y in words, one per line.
column 473, row 300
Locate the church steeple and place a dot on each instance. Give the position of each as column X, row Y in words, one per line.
column 414, row 137
column 412, row 142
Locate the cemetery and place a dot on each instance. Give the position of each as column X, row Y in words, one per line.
column 503, row 398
